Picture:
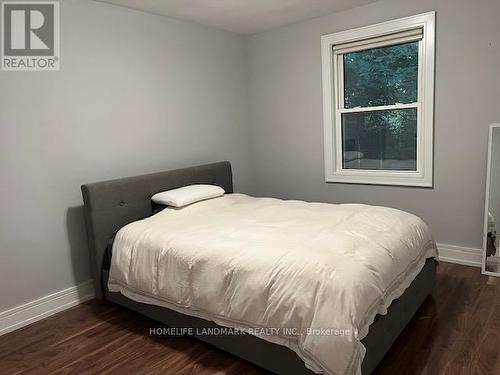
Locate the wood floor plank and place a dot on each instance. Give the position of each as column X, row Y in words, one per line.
column 74, row 321
column 455, row 331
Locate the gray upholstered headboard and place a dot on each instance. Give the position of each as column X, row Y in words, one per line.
column 109, row 205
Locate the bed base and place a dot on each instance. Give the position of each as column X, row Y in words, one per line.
column 281, row 360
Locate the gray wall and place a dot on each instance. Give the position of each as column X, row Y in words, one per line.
column 286, row 113
column 136, row 93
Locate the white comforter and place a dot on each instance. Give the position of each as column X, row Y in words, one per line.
column 322, row 271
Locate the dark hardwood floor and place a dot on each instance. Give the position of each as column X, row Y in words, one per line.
column 457, row 331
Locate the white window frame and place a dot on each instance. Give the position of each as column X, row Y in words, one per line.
column 333, row 96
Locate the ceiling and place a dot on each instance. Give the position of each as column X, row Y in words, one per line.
column 241, row 16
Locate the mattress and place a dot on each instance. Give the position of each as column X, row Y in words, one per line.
column 309, row 276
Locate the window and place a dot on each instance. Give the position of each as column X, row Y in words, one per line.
column 378, row 98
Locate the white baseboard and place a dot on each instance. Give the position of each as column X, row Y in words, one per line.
column 33, row 311
column 38, row 309
column 461, row 255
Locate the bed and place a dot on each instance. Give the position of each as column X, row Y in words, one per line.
column 255, row 286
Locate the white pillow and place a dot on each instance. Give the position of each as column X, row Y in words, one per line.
column 187, row 194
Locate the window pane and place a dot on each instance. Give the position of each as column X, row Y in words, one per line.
column 380, row 140
column 381, row 76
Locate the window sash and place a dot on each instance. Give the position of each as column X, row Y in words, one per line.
column 339, row 77
column 339, row 140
